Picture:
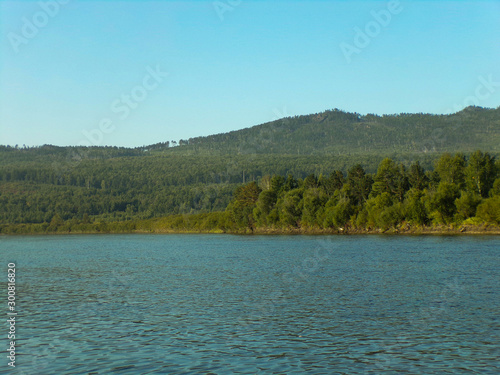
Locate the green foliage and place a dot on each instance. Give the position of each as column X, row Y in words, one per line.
column 336, row 132
column 358, row 185
column 338, row 215
column 466, row 205
column 265, row 204
column 495, row 191
column 116, row 184
column 391, row 179
column 451, row 169
column 290, row 183
column 383, row 211
column 290, row 208
column 55, row 223
column 415, row 208
column 277, row 183
column 279, row 202
column 310, row 182
column 417, row 177
column 313, row 200
column 442, row 202
column 480, row 173
column 489, row 210
column 320, row 171
column 334, row 182
column 241, row 208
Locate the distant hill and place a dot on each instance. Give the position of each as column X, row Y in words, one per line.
column 117, row 183
column 336, row 132
column 333, row 133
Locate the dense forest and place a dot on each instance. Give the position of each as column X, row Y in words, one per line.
column 457, row 191
column 202, row 176
column 460, row 190
column 336, row 132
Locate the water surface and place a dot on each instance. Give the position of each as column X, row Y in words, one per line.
column 221, row 304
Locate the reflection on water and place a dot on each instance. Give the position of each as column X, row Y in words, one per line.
column 199, row 304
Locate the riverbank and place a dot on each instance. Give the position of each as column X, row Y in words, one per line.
column 129, row 228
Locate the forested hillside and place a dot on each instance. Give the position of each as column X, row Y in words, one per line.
column 199, row 176
column 336, row 132
column 458, row 193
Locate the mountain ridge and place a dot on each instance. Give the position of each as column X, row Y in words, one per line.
column 334, row 132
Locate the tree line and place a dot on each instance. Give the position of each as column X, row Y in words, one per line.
column 459, row 190
column 456, row 191
column 141, row 187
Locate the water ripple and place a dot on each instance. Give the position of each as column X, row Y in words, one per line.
column 150, row 304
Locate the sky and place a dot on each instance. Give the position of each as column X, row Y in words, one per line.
column 134, row 73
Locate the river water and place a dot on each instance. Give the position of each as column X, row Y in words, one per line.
column 224, row 304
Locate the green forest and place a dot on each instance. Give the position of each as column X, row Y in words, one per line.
column 336, row 132
column 458, row 191
column 323, row 171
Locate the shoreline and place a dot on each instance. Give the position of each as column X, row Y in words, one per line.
column 467, row 230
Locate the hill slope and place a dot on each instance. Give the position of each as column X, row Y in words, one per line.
column 336, row 132
column 112, row 183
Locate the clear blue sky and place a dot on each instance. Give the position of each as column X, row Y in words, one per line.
column 233, row 66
